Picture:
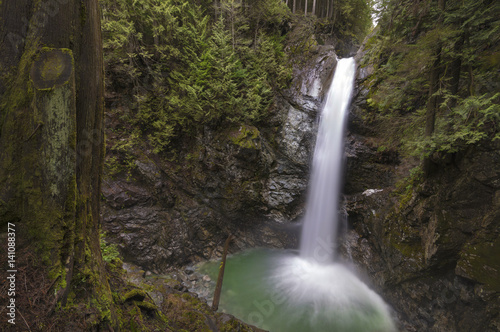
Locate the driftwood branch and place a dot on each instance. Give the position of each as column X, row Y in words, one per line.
column 218, row 287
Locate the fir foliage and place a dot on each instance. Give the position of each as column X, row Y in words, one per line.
column 456, row 44
column 192, row 64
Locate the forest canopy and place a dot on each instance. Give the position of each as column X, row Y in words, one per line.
column 190, row 64
column 436, row 73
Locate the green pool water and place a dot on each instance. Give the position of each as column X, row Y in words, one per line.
column 278, row 291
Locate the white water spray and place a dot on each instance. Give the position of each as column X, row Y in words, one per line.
column 321, row 219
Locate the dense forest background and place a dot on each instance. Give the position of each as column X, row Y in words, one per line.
column 175, row 69
column 189, row 64
column 435, row 89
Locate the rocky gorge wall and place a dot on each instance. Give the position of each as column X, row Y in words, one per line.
column 432, row 249
column 242, row 180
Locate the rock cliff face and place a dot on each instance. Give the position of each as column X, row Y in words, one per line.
column 241, row 179
column 432, row 249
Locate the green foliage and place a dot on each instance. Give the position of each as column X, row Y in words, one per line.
column 109, row 252
column 191, row 64
column 126, row 149
column 340, row 20
column 301, row 39
column 411, row 181
column 403, row 82
column 458, row 43
column 354, row 19
column 112, row 166
column 188, row 69
column 405, row 187
column 473, row 120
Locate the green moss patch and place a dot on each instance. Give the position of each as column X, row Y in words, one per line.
column 52, row 68
column 134, row 295
column 480, row 262
column 147, row 306
column 245, row 136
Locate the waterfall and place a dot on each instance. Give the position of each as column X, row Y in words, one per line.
column 322, row 217
column 280, row 291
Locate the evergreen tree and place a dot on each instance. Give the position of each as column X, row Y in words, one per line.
column 206, row 71
column 438, row 64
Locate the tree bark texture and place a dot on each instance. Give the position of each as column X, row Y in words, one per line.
column 52, row 138
column 320, row 8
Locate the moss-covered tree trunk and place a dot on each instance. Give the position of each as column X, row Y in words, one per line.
column 434, row 88
column 51, row 140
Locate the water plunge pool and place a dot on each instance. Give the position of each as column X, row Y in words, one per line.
column 279, row 291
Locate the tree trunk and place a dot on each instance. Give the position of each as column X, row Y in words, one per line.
column 314, row 7
column 456, row 66
column 433, row 101
column 52, row 140
column 431, row 108
column 335, row 10
column 305, row 9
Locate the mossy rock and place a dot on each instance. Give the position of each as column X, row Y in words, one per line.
column 480, row 262
column 229, row 323
column 135, row 295
column 150, row 308
column 404, row 238
column 245, row 136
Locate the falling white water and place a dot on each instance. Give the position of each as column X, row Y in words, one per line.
column 279, row 291
column 321, row 218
